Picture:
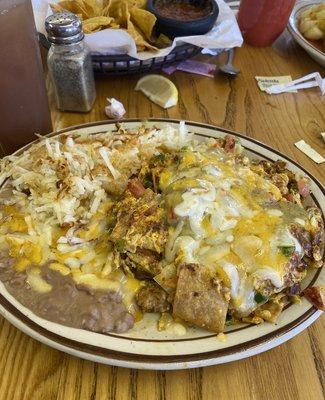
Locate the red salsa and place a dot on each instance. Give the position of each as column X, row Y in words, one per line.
column 182, row 10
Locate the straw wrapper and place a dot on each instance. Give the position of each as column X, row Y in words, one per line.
column 308, row 81
column 224, row 35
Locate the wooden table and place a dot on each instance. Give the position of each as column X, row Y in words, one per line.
column 294, row 370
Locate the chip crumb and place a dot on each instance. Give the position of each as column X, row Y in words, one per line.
column 165, row 321
column 253, row 320
column 177, row 329
column 296, row 299
column 222, row 337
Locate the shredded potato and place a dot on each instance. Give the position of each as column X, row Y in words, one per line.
column 62, row 190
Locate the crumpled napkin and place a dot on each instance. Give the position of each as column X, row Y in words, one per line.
column 224, row 35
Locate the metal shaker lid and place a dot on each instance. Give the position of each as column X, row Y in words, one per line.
column 64, row 28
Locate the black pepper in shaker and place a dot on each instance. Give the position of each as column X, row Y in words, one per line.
column 69, row 63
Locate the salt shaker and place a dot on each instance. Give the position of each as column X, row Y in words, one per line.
column 69, row 63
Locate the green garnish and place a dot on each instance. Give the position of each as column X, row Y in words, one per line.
column 293, row 187
column 229, row 319
column 119, row 245
column 147, row 181
column 287, row 250
column 111, row 220
column 160, row 157
column 259, row 298
column 184, row 148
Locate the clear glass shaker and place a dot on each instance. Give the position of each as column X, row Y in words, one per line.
column 69, row 63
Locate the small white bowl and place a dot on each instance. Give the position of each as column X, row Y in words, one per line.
column 315, row 53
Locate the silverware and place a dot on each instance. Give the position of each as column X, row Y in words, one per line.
column 228, row 68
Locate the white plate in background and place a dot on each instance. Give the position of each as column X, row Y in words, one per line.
column 313, row 51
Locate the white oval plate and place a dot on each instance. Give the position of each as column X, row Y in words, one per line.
column 143, row 346
column 314, row 53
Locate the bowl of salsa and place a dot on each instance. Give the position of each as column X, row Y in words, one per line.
column 184, row 17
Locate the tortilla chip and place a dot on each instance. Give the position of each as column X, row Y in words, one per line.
column 162, row 41
column 144, row 20
column 92, row 7
column 97, row 15
column 119, row 10
column 106, row 7
column 92, row 29
column 141, row 43
column 95, row 24
column 56, row 8
column 74, row 6
column 137, row 3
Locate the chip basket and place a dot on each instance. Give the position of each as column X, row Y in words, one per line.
column 123, row 64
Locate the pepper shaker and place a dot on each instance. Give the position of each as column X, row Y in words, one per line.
column 69, row 63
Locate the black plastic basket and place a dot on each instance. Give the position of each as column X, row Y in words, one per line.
column 123, row 64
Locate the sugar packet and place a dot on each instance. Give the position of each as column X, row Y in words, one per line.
column 194, row 67
column 265, row 82
column 310, row 152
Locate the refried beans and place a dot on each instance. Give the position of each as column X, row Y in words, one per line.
column 67, row 303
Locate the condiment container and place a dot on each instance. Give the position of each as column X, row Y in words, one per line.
column 183, row 17
column 69, row 63
column 24, row 108
column 262, row 21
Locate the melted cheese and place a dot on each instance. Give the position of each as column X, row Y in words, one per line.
column 184, row 249
column 225, row 224
column 36, row 282
column 241, row 288
column 194, row 204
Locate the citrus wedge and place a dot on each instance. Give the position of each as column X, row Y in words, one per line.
column 159, row 89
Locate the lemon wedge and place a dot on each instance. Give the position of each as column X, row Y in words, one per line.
column 159, row 89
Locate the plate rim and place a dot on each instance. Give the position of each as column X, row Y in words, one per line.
column 113, row 357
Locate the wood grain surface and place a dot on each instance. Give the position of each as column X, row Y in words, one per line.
column 294, row 370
